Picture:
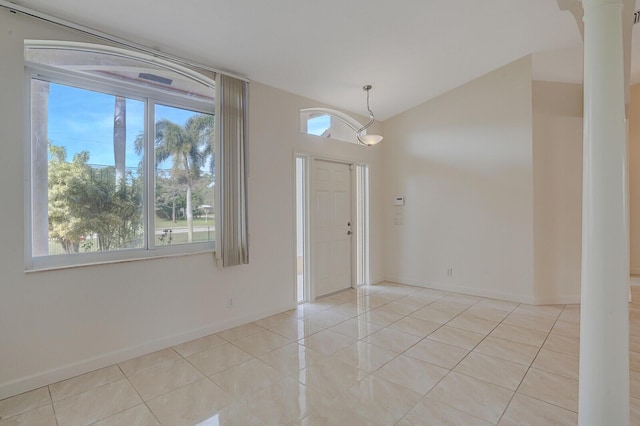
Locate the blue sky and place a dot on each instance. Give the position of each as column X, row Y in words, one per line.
column 83, row 120
column 80, row 120
column 317, row 125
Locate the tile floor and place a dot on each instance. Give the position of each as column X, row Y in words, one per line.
column 385, row 354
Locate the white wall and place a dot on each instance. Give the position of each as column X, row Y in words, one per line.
column 464, row 163
column 57, row 324
column 557, row 193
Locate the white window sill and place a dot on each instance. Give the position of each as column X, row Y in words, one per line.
column 79, row 260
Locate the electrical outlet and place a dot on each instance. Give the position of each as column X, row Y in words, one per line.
column 450, row 272
column 229, row 302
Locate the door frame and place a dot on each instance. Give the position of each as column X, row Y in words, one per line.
column 308, row 232
column 362, row 222
column 306, row 225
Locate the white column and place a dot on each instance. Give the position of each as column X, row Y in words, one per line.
column 604, row 331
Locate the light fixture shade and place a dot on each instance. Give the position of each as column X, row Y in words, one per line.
column 370, row 140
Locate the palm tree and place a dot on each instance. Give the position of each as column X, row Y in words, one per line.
column 188, row 147
column 120, row 138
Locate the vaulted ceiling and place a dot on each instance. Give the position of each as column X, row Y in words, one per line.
column 409, row 50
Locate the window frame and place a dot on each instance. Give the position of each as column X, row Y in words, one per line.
column 347, row 120
column 151, row 97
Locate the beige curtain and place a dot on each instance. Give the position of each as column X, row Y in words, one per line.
column 232, row 244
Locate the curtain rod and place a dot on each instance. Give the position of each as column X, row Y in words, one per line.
column 16, row 8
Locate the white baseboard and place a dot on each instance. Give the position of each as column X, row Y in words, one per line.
column 474, row 291
column 54, row 375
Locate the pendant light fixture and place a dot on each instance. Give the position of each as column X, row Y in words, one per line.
column 368, row 140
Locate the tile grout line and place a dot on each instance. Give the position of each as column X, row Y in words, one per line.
column 90, row 389
column 53, row 407
column 140, row 396
column 205, row 376
column 371, row 373
column 464, row 357
column 528, row 367
column 471, row 350
column 564, row 307
column 401, row 353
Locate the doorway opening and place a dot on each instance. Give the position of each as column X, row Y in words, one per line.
column 332, row 226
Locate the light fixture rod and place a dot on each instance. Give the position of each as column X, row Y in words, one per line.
column 359, row 136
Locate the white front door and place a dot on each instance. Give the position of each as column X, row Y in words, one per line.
column 332, row 230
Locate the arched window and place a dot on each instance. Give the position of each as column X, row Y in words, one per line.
column 121, row 155
column 329, row 123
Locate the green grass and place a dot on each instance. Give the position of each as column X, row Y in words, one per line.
column 181, row 238
column 176, row 237
column 182, row 223
column 199, row 234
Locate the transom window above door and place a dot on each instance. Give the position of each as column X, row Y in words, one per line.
column 329, row 123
